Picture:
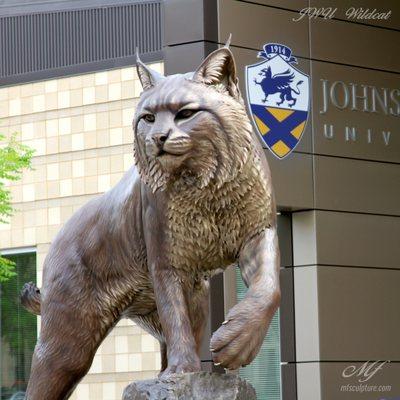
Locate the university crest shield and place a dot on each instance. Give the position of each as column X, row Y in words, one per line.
column 278, row 98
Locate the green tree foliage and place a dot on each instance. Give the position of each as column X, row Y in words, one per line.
column 14, row 158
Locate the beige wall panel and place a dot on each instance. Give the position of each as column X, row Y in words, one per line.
column 306, row 313
column 254, row 25
column 358, row 313
column 304, row 238
column 308, row 381
column 375, row 145
column 354, row 44
column 354, row 185
column 343, row 11
column 346, row 239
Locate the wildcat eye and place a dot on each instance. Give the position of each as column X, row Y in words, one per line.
column 185, row 113
column 150, row 118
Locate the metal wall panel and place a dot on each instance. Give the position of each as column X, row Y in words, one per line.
column 285, row 239
column 317, row 381
column 365, row 305
column 254, row 25
column 288, row 376
column 346, row 239
column 200, row 19
column 287, row 322
column 334, row 385
column 346, row 314
column 292, row 180
column 355, row 44
column 286, row 4
column 358, row 186
column 186, row 57
column 393, row 22
column 375, row 133
column 190, row 11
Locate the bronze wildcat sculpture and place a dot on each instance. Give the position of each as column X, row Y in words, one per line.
column 199, row 200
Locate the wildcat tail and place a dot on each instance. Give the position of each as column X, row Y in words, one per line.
column 30, row 298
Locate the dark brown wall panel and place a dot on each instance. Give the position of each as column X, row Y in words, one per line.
column 289, row 4
column 287, row 324
column 358, row 186
column 189, row 21
column 358, row 313
column 357, row 240
column 186, row 57
column 254, row 25
column 386, row 379
column 346, row 239
column 190, row 11
column 292, row 180
column 345, row 10
column 324, row 381
column 355, row 44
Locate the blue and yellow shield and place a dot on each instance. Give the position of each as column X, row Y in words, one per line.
column 278, row 99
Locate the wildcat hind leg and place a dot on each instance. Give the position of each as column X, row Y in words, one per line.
column 64, row 352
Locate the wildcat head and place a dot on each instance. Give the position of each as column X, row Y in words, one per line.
column 192, row 127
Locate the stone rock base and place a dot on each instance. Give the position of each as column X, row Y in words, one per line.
column 193, row 386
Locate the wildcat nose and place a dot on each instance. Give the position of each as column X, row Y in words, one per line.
column 160, row 138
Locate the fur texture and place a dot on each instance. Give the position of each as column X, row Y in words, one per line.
column 145, row 249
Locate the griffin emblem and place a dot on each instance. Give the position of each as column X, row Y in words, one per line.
column 278, row 98
column 279, row 83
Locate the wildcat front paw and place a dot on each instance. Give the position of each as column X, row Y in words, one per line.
column 179, row 367
column 237, row 342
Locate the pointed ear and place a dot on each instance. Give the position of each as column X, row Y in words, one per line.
column 219, row 69
column 148, row 78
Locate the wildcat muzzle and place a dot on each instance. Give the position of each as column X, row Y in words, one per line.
column 173, row 144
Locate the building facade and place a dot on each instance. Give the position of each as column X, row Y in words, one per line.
column 80, row 125
column 338, row 192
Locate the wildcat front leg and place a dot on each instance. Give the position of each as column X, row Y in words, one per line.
column 238, row 340
column 174, row 317
column 169, row 292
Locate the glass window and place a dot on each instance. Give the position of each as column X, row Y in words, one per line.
column 18, row 330
column 264, row 373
